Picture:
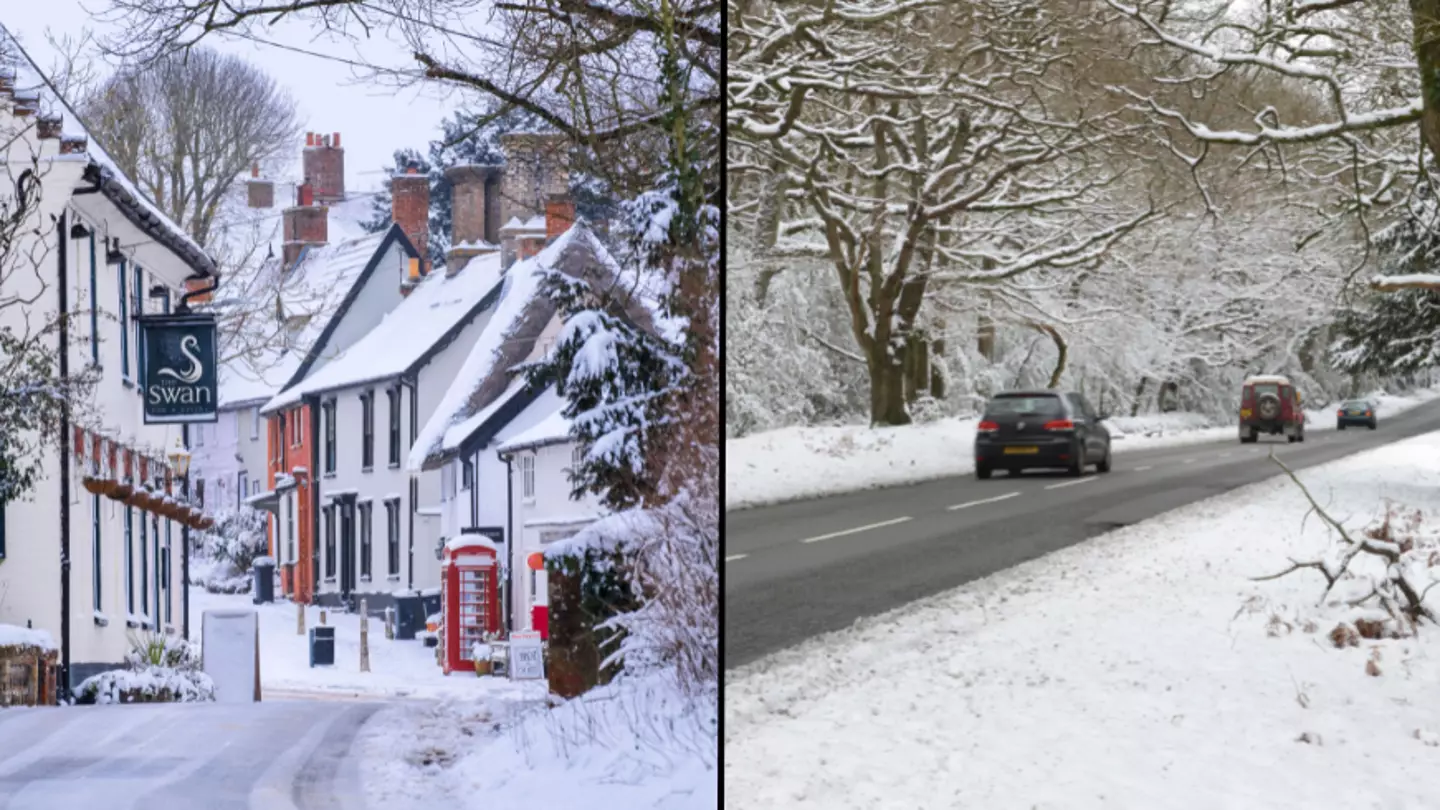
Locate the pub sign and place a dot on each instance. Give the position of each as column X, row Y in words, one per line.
column 179, row 374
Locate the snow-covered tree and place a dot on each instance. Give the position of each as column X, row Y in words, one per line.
column 923, row 144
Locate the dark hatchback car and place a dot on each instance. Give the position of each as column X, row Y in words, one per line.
column 1355, row 412
column 1023, row 430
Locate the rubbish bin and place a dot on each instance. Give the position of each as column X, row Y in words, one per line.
column 409, row 617
column 430, row 601
column 322, row 646
column 264, row 590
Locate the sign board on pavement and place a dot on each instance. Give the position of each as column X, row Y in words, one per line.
column 527, row 659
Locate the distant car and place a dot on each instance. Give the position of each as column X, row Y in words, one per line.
column 1023, row 430
column 1270, row 404
column 1355, row 412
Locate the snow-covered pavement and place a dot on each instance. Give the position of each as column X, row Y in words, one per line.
column 291, row 755
column 810, row 462
column 1141, row 669
column 398, row 669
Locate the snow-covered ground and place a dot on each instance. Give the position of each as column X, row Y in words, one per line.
column 809, row 462
column 398, row 669
column 1142, row 669
column 630, row 744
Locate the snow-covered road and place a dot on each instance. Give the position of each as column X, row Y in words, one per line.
column 275, row 755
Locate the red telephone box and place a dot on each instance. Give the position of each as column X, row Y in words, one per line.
column 470, row 594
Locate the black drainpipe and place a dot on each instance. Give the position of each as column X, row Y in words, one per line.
column 413, row 492
column 185, row 544
column 60, row 267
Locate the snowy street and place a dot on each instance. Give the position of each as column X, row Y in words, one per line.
column 277, row 755
column 800, row 569
column 1147, row 668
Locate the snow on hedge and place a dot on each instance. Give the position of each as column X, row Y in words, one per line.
column 13, row 636
column 149, row 685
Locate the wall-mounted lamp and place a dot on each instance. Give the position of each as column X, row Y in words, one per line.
column 113, row 255
column 79, row 231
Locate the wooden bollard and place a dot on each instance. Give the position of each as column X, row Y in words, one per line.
column 299, row 618
column 364, row 638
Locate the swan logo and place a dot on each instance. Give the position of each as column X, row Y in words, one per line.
column 191, row 375
column 180, row 379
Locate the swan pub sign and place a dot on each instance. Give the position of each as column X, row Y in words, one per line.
column 181, row 384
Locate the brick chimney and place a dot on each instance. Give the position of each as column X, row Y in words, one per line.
column 305, row 224
column 193, row 284
column 324, row 166
column 261, row 193
column 559, row 215
column 473, row 218
column 537, row 167
column 410, row 209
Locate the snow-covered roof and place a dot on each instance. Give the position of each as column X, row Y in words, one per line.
column 553, row 429
column 485, row 379
column 31, row 80
column 437, row 305
column 535, row 224
column 1268, row 378
column 470, row 541
column 317, row 288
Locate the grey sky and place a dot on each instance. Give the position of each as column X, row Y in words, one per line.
column 373, row 121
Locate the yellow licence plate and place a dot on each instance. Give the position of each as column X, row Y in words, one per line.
column 1021, row 451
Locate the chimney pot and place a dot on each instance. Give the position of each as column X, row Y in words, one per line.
column 337, row 140
column 309, row 139
column 255, row 170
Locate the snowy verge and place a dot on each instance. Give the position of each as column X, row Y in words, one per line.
column 810, row 462
column 634, row 743
column 1126, row 671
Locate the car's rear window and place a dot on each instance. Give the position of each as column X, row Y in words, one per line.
column 1266, row 388
column 1356, row 404
column 1042, row 405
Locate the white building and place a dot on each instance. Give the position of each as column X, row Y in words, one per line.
column 97, row 246
column 501, row 446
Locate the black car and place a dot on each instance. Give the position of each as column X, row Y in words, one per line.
column 1023, row 430
column 1355, row 412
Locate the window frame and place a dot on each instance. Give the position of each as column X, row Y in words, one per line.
column 97, row 552
column 129, row 562
column 527, row 476
column 392, row 536
column 94, row 306
column 138, row 294
column 367, row 536
column 367, row 431
column 330, row 566
column 392, row 398
column 255, row 423
column 328, row 412
column 144, row 566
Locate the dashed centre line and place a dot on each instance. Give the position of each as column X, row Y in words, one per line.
column 1143, row 469
column 734, row 557
column 986, row 500
column 1189, row 461
column 855, row 530
column 1071, row 483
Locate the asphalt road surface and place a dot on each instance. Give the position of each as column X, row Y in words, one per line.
column 800, row 569
column 274, row 755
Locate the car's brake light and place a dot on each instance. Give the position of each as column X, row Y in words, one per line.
column 987, row 427
column 1341, row 412
column 1367, row 413
column 1060, row 424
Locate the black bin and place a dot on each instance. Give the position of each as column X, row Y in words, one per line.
column 264, row 589
column 430, row 604
column 322, row 646
column 409, row 617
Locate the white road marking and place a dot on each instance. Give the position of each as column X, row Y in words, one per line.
column 1143, row 469
column 977, row 503
column 734, row 557
column 855, row 530
column 1189, row 461
column 1224, row 455
column 1071, row 483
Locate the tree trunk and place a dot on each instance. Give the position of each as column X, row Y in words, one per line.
column 985, row 342
column 887, row 387
column 937, row 380
column 1139, row 396
column 1425, row 20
